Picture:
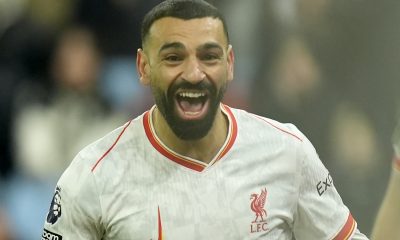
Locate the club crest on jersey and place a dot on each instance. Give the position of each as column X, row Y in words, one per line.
column 259, row 224
column 55, row 207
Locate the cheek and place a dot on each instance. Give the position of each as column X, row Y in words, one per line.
column 163, row 78
column 160, row 86
column 157, row 78
column 219, row 76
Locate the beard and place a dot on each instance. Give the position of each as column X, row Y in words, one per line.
column 188, row 129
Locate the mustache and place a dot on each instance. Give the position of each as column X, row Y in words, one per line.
column 200, row 86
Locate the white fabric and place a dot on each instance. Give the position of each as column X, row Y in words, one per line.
column 128, row 186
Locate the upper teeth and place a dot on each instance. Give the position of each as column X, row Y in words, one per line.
column 191, row 94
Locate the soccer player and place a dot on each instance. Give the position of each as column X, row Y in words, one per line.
column 387, row 223
column 192, row 167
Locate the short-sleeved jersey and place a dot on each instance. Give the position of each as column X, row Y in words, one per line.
column 266, row 182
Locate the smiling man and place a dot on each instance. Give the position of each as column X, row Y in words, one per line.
column 187, row 64
column 192, row 167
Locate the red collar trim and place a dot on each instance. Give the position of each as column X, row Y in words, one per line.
column 185, row 161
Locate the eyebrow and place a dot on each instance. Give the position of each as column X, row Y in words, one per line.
column 178, row 45
column 208, row 46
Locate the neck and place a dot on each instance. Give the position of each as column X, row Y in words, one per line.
column 204, row 149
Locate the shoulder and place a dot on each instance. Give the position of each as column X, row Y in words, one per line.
column 86, row 159
column 255, row 123
column 95, row 152
column 89, row 158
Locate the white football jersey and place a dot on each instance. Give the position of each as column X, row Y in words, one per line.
column 266, row 182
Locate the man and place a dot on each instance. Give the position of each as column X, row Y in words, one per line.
column 191, row 167
column 387, row 223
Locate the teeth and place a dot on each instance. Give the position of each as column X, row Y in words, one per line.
column 191, row 113
column 191, row 94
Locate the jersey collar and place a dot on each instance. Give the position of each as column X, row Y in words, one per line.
column 186, row 161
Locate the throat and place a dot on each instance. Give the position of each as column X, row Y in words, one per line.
column 207, row 148
column 204, row 149
column 201, row 152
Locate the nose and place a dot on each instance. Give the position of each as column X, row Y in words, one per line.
column 193, row 72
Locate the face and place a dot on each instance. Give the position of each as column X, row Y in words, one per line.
column 187, row 64
column 76, row 64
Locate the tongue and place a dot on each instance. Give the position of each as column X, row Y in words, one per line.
column 191, row 106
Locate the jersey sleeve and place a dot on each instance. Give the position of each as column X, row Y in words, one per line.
column 320, row 212
column 75, row 211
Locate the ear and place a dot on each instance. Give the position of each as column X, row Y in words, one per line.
column 230, row 62
column 142, row 66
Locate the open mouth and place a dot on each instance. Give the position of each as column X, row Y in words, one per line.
column 192, row 104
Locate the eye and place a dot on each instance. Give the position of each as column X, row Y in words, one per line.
column 210, row 57
column 172, row 58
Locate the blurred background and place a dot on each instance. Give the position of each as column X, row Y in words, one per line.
column 67, row 77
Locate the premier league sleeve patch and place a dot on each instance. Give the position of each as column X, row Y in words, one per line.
column 55, row 207
column 47, row 235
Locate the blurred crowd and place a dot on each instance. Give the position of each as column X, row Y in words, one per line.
column 67, row 77
column 331, row 68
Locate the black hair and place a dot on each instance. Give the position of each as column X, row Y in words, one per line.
column 182, row 9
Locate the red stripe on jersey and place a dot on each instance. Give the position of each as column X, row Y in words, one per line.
column 347, row 229
column 281, row 129
column 159, row 225
column 233, row 129
column 396, row 163
column 112, row 146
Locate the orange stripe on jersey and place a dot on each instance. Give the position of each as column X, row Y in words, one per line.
column 112, row 146
column 396, row 163
column 159, row 225
column 347, row 229
column 279, row 128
